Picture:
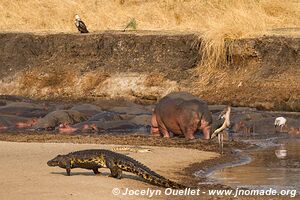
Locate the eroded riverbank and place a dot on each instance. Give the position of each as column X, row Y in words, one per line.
column 144, row 66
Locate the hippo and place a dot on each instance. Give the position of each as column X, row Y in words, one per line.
column 99, row 126
column 88, row 109
column 55, row 118
column 181, row 116
column 143, row 120
column 10, row 121
column 105, row 116
column 24, row 109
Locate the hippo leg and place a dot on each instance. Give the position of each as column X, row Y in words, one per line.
column 205, row 127
column 189, row 133
column 164, row 131
column 154, row 131
column 189, row 125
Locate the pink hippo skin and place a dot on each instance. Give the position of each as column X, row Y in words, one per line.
column 66, row 128
column 180, row 116
column 26, row 124
column 3, row 127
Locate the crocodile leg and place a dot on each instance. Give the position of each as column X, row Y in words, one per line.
column 96, row 171
column 115, row 171
column 68, row 171
column 68, row 167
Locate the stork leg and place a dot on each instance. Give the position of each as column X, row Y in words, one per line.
column 220, row 141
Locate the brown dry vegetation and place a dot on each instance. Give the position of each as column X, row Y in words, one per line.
column 230, row 18
column 215, row 20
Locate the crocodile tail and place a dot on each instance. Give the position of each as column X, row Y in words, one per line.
column 148, row 175
column 156, row 179
column 171, row 184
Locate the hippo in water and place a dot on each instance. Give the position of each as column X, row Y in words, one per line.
column 15, row 122
column 100, row 126
column 55, row 118
column 181, row 113
column 24, row 109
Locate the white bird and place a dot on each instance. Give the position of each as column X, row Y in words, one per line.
column 281, row 122
column 80, row 25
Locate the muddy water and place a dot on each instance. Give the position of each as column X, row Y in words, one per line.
column 265, row 170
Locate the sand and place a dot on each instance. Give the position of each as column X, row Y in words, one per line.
column 24, row 173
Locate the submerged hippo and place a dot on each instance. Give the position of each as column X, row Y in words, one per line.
column 15, row 122
column 181, row 115
column 88, row 109
column 24, row 109
column 100, row 126
column 55, row 118
column 19, row 122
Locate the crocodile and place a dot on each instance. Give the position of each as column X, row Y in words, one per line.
column 93, row 159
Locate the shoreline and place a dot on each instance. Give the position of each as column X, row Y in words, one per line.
column 187, row 173
column 184, row 175
column 26, row 163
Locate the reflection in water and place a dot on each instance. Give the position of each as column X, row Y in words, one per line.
column 266, row 170
column 281, row 152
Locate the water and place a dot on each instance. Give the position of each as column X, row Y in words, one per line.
column 266, row 170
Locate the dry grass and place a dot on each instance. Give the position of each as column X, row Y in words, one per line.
column 154, row 79
column 215, row 20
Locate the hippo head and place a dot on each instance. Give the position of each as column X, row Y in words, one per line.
column 205, row 124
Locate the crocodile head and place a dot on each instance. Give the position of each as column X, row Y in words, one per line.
column 57, row 161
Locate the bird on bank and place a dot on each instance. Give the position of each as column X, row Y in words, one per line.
column 80, row 25
column 281, row 122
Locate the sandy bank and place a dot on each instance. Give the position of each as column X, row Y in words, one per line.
column 25, row 175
